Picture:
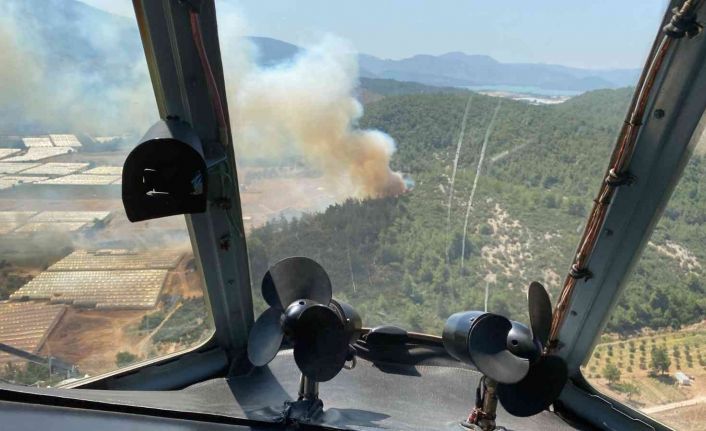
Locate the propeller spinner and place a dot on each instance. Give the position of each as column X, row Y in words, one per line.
column 511, row 354
column 298, row 291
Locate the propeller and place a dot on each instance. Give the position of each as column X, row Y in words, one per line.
column 511, row 354
column 547, row 374
column 298, row 291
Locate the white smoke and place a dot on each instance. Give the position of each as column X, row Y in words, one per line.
column 307, row 106
column 100, row 87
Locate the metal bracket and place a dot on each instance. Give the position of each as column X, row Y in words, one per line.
column 482, row 417
column 683, row 24
column 307, row 407
column 580, row 273
column 181, row 89
column 617, row 179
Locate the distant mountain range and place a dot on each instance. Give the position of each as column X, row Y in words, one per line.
column 457, row 69
column 82, row 40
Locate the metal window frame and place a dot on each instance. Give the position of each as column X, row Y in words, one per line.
column 663, row 148
column 217, row 236
column 218, row 240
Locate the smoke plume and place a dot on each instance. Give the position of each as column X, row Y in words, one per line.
column 308, row 105
column 71, row 68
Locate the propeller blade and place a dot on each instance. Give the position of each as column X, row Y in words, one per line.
column 265, row 337
column 295, row 278
column 321, row 344
column 487, row 348
column 540, row 312
column 537, row 391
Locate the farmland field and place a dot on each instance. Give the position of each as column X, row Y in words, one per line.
column 656, row 393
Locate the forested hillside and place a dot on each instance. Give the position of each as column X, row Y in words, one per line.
column 406, row 260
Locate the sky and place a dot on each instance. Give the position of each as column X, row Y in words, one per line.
column 595, row 34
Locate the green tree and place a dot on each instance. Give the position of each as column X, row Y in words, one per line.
column 631, row 390
column 123, row 359
column 611, row 373
column 485, row 229
column 660, row 360
column 577, row 208
column 551, row 202
column 29, row 374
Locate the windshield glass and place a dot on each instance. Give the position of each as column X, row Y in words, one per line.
column 82, row 290
column 432, row 157
column 652, row 353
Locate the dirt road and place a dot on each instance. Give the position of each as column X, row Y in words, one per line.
column 671, row 406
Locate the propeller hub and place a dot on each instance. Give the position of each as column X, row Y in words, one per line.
column 292, row 314
column 520, row 342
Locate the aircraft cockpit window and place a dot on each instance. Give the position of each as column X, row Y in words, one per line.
column 82, row 290
column 425, row 177
column 377, row 189
column 652, row 353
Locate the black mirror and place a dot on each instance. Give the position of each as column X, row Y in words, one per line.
column 165, row 174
